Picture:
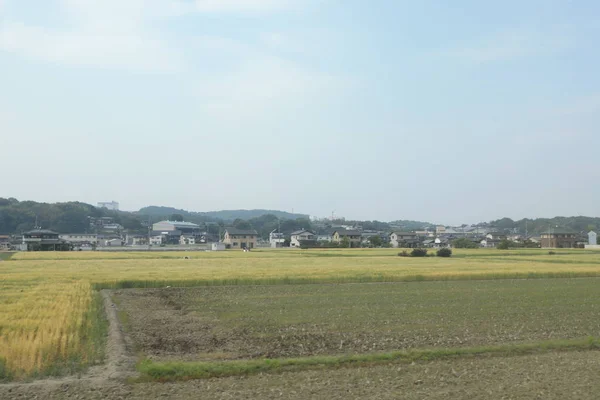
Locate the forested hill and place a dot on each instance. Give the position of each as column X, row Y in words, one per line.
column 538, row 225
column 70, row 217
column 224, row 215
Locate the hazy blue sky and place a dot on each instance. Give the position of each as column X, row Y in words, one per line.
column 442, row 111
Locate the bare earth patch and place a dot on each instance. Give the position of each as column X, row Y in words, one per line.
column 239, row 322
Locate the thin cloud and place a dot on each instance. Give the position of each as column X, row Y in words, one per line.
column 509, row 46
column 236, row 6
column 97, row 49
column 108, row 34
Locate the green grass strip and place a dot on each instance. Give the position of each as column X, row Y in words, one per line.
column 5, row 255
column 178, row 371
column 380, row 278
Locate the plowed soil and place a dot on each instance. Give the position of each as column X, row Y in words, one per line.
column 235, row 322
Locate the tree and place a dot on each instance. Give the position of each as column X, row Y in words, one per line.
column 345, row 243
column 375, row 241
column 444, row 252
column 176, row 217
column 505, row 244
column 464, row 243
column 241, row 224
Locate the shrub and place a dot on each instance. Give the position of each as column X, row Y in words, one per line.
column 418, row 253
column 403, row 253
column 552, row 252
column 445, row 252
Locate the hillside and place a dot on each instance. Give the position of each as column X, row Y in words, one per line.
column 224, row 215
column 19, row 216
column 536, row 226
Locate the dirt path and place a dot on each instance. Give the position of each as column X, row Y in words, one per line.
column 119, row 365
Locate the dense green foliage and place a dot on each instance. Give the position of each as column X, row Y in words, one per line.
column 464, row 243
column 19, row 216
column 539, row 225
column 418, row 253
column 444, row 252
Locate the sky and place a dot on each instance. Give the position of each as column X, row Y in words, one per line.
column 383, row 109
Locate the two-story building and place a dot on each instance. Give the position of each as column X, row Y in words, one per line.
column 299, row 236
column 559, row 238
column 353, row 237
column 79, row 239
column 240, row 238
column 276, row 239
column 404, row 239
column 187, row 240
column 44, row 240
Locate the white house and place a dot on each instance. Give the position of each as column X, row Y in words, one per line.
column 276, row 239
column 299, row 236
column 156, row 240
column 592, row 241
column 217, row 246
column 187, row 239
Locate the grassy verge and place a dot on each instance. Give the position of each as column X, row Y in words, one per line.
column 5, row 255
column 178, row 371
column 380, row 278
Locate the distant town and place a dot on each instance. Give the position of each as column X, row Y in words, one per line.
column 107, row 228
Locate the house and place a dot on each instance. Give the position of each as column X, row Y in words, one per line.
column 186, row 228
column 559, row 238
column 4, row 242
column 216, row 246
column 404, row 239
column 235, row 238
column 44, row 240
column 276, row 239
column 114, row 243
column 324, row 238
column 136, row 240
column 78, row 239
column 187, row 240
column 168, row 237
column 299, row 236
column 155, row 240
column 353, row 237
column 489, row 243
column 592, row 242
column 438, row 243
column 496, row 236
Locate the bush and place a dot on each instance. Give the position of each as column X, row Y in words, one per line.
column 418, row 253
column 445, row 252
column 552, row 252
column 403, row 253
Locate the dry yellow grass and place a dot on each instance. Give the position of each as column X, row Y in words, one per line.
column 45, row 297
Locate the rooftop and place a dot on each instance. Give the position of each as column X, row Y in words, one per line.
column 559, row 231
column 180, row 223
column 236, row 231
column 41, row 232
column 344, row 232
column 301, row 231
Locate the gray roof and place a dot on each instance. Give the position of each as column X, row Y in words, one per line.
column 182, row 224
column 559, row 231
column 41, row 232
column 344, row 232
column 301, row 231
column 404, row 233
column 236, row 231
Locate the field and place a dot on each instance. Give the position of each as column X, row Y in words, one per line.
column 303, row 309
column 242, row 322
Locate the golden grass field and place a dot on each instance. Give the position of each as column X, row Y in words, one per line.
column 48, row 299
